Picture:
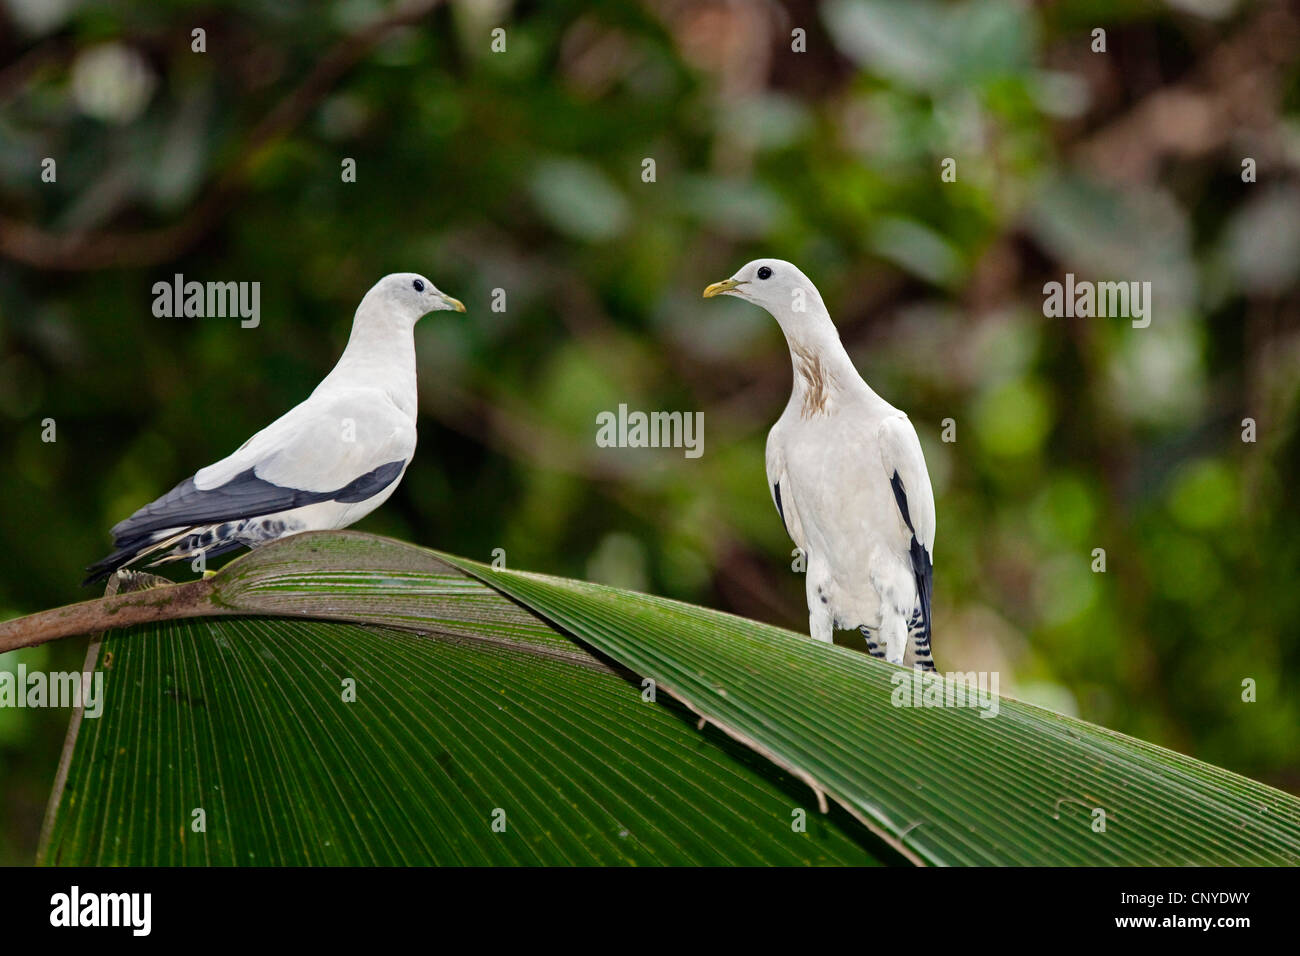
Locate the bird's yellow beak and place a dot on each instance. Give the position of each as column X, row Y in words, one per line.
column 456, row 304
column 726, row 285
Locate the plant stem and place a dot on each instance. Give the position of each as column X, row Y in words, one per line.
column 193, row 599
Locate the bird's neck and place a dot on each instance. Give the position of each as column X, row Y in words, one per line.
column 380, row 354
column 824, row 375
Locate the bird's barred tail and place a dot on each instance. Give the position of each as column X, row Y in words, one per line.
column 918, row 637
column 210, row 541
column 874, row 647
column 918, row 640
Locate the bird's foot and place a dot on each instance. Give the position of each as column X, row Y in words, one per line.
column 125, row 580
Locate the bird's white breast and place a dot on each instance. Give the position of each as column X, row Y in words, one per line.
column 846, row 508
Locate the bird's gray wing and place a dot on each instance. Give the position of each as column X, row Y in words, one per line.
column 344, row 446
column 900, row 454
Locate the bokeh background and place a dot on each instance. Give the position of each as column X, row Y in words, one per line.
column 522, row 171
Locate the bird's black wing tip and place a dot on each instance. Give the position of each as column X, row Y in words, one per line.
column 776, row 494
column 922, row 566
column 102, row 570
column 107, row 565
column 923, row 571
column 900, row 497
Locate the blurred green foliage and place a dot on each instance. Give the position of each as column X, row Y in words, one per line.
column 522, row 171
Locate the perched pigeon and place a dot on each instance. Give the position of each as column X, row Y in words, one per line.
column 848, row 479
column 325, row 464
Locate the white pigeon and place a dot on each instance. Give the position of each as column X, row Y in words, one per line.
column 848, row 478
column 325, row 464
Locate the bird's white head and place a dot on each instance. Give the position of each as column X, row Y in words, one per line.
column 776, row 285
column 409, row 296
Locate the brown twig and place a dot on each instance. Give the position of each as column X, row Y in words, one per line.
column 112, row 611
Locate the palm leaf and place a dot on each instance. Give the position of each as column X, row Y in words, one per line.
column 944, row 785
column 469, row 712
column 482, row 690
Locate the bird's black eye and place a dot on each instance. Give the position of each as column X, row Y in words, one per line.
column 764, row 272
column 419, row 286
